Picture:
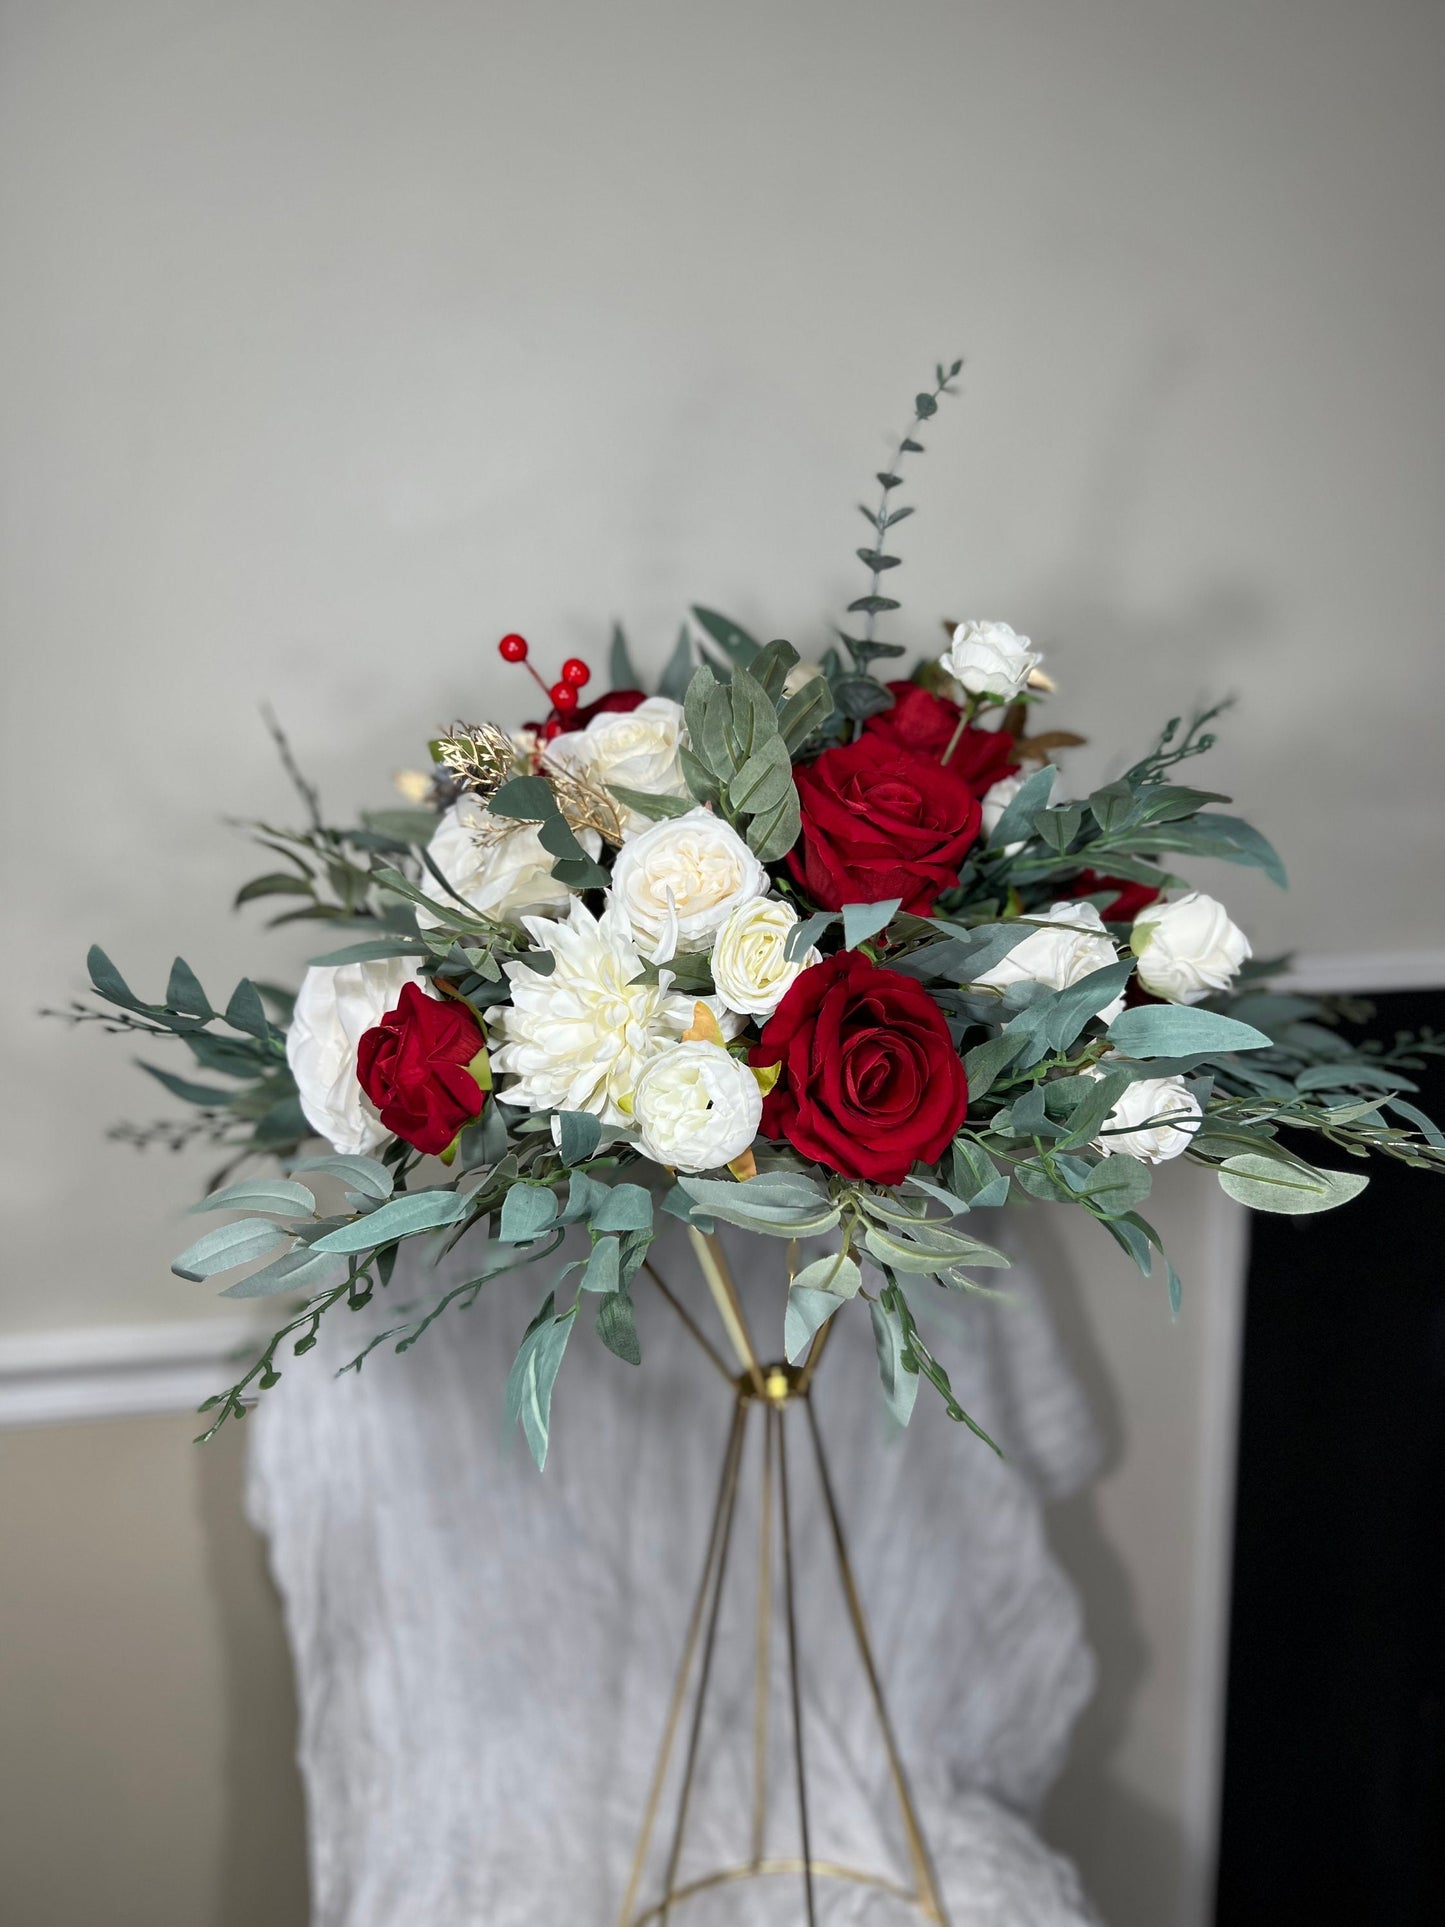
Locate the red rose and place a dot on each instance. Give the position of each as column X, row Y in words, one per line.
column 413, row 1067
column 617, row 703
column 880, row 822
column 925, row 724
column 1129, row 900
column 869, row 1078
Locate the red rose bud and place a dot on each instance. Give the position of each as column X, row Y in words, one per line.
column 878, row 822
column 512, row 648
column 416, row 1067
column 576, row 672
column 869, row 1080
column 926, row 724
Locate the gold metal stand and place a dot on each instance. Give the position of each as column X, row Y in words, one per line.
column 775, row 1392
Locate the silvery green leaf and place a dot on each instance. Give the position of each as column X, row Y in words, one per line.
column 730, row 636
column 771, row 835
column 296, row 1271
column 755, row 720
column 1116, row 1184
column 864, row 920
column 617, row 1327
column 1014, row 825
column 1426, row 1126
column 603, row 1272
column 764, row 781
column 228, row 1246
column 1176, row 1290
column 620, row 669
column 1177, row 1030
column 1134, row 1235
column 807, row 1311
column 986, row 1061
column 716, row 745
column 1058, row 1018
column 534, row 1373
column 837, row 1273
column 788, row 1190
column 1267, row 1185
column 366, row 1175
column 897, row 1369
column 276, row 1195
column 769, row 667
column 803, row 936
column 373, row 950
column 646, row 804
column 413, row 1212
column 184, row 993
column 626, row 1207
column 976, row 1177
column 1098, row 1098
column 246, row 1012
column 529, row 799
column 804, row 711
column 678, row 673
column 584, row 1196
column 1112, row 806
column 527, row 1211
column 579, row 1134
column 928, row 1250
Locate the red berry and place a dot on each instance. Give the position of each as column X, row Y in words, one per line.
column 551, row 729
column 564, row 696
column 512, row 648
column 576, row 672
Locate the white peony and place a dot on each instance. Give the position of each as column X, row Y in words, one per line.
column 636, row 749
column 1187, row 949
column 696, row 1108
column 578, row 1039
column 1154, row 1120
column 496, row 863
column 1058, row 957
column 989, row 659
column 749, row 965
column 335, row 1006
column 678, row 881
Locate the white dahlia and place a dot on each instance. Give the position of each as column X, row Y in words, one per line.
column 578, row 1040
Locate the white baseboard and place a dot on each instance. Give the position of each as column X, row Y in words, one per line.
column 120, row 1371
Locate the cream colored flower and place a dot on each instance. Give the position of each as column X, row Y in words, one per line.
column 696, row 1108
column 1059, row 956
column 749, row 965
column 578, row 1040
column 635, row 749
column 1155, row 1120
column 1187, row 949
column 495, row 863
column 678, row 881
column 988, row 659
column 335, row 1006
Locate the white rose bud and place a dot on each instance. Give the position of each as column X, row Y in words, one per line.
column 495, row 863
column 335, row 1005
column 1059, row 957
column 996, row 799
column 749, row 965
column 635, row 749
column 678, row 881
column 989, row 659
column 1154, row 1120
column 696, row 1108
column 1187, row 949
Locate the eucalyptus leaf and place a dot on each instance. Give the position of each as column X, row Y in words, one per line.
column 1264, row 1184
column 367, row 1175
column 534, row 1374
column 864, row 920
column 579, row 1134
column 527, row 1211
column 280, row 1196
column 807, row 1311
column 897, row 1368
column 1177, row 1030
column 301, row 1271
column 228, row 1246
column 412, row 1212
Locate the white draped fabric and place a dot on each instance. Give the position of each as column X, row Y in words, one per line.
column 484, row 1654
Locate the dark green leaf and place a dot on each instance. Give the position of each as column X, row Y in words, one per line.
column 579, row 1133
column 730, row 636
column 619, row 663
column 617, row 1327
column 678, row 673
column 246, row 1011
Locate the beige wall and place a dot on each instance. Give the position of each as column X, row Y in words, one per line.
column 339, row 338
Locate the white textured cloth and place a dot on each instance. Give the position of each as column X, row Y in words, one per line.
column 484, row 1654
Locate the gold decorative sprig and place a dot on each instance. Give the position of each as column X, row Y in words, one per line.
column 585, row 804
column 480, row 757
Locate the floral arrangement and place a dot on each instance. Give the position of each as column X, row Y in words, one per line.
column 783, row 944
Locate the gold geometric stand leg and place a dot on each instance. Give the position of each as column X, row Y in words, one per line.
column 775, row 1392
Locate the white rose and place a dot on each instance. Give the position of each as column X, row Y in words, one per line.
column 749, row 967
column 335, row 1005
column 677, row 882
column 1058, row 957
column 495, row 863
column 696, row 1108
column 635, row 749
column 989, row 659
column 1154, row 1120
column 1187, row 949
